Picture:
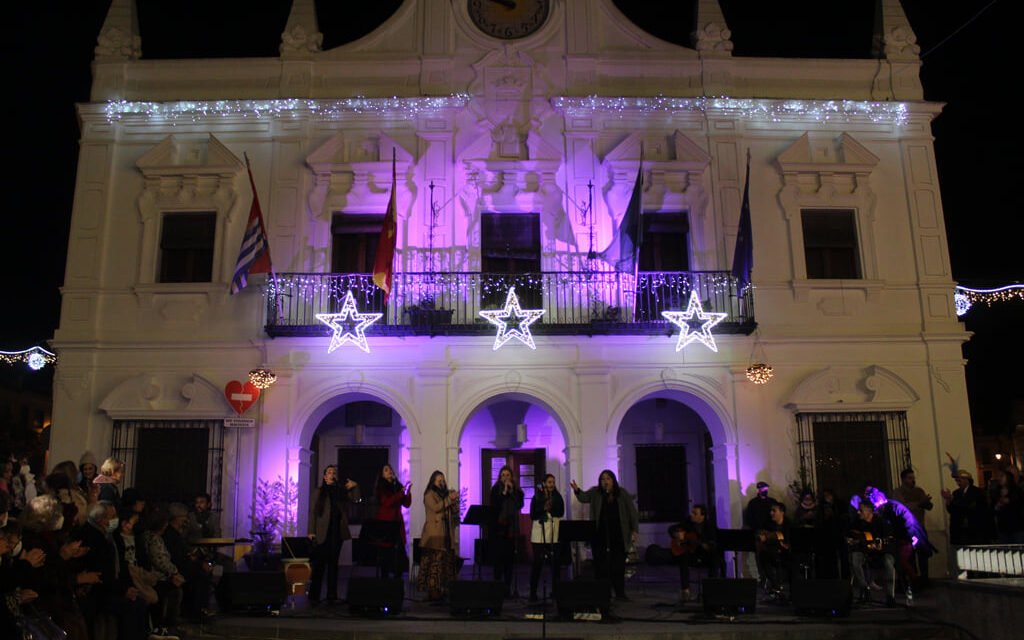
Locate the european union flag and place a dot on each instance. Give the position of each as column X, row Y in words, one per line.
column 743, row 257
column 624, row 251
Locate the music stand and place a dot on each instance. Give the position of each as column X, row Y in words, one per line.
column 296, row 548
column 479, row 515
column 380, row 533
column 570, row 531
column 736, row 540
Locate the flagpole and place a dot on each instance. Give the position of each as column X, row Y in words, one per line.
column 639, row 229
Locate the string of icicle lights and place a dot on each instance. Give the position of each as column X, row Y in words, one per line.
column 966, row 297
column 748, row 108
column 194, row 110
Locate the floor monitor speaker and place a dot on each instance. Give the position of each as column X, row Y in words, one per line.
column 252, row 591
column 582, row 596
column 482, row 598
column 729, row 596
column 831, row 598
column 375, row 597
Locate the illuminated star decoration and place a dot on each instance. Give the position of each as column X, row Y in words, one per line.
column 349, row 325
column 686, row 321
column 524, row 317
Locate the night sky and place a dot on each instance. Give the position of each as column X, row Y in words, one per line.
column 49, row 47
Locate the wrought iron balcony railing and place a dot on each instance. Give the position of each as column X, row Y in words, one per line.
column 449, row 303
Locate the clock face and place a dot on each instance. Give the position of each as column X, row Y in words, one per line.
column 509, row 19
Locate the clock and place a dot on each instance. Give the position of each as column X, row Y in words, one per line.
column 508, row 19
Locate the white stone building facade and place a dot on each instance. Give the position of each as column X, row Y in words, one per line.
column 516, row 127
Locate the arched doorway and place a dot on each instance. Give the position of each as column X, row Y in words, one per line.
column 665, row 458
column 359, row 433
column 512, row 429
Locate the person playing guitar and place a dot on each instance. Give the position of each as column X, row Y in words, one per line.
column 693, row 545
column 871, row 539
column 773, row 550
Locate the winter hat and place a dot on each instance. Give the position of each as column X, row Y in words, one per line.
column 87, row 458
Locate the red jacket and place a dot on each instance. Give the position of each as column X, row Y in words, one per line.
column 390, row 505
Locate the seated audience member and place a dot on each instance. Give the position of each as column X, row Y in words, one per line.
column 131, row 551
column 58, row 579
column 109, row 481
column 872, row 542
column 16, row 577
column 693, row 545
column 88, row 469
column 202, row 521
column 133, row 500
column 773, row 551
column 170, row 583
column 115, row 593
column 197, row 571
column 58, row 486
column 78, row 497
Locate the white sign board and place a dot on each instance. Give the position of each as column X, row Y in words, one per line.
column 239, row 423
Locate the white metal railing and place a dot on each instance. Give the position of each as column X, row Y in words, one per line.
column 997, row 559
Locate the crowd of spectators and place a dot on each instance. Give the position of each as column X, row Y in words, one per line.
column 79, row 555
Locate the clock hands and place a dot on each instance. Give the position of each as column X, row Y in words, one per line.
column 508, row 4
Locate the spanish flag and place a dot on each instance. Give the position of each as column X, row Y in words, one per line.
column 382, row 265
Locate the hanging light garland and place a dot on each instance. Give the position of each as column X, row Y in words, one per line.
column 35, row 357
column 965, row 297
column 262, row 378
column 748, row 108
column 194, row 110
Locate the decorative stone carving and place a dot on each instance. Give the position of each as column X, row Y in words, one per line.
column 849, row 388
column 165, row 395
column 116, row 43
column 297, row 41
column 713, row 37
column 894, row 38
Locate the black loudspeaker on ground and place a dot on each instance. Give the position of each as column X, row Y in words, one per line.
column 375, row 597
column 576, row 596
column 822, row 598
column 473, row 598
column 729, row 596
column 251, row 591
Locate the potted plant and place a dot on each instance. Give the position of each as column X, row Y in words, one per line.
column 273, row 515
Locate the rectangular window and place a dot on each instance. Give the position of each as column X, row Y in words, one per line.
column 661, row 487
column 510, row 245
column 842, row 451
column 831, row 249
column 186, row 247
column 664, row 246
column 171, row 460
column 354, row 242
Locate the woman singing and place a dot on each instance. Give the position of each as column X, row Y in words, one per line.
column 506, row 503
column 613, row 510
column 391, row 497
column 438, row 540
column 546, row 510
column 330, row 531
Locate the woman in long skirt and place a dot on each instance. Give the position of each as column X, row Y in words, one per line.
column 438, row 540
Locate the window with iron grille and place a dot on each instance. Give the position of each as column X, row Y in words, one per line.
column 839, row 452
column 171, row 460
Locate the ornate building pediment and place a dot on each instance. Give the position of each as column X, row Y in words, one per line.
column 165, row 395
column 354, row 170
column 848, row 388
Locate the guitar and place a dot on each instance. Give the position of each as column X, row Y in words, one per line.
column 684, row 542
column 771, row 540
column 866, row 541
